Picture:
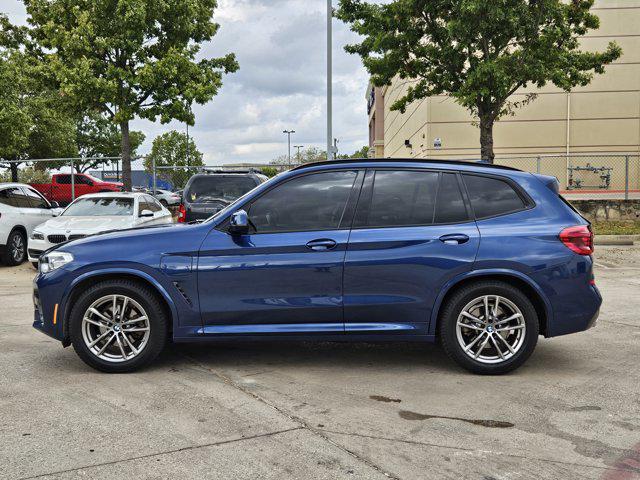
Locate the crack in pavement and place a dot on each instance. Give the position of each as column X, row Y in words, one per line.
column 165, row 452
column 301, row 422
column 475, row 450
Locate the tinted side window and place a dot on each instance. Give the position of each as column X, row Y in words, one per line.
column 5, row 198
column 36, row 200
column 490, row 196
column 402, row 198
column 143, row 205
column 450, row 206
column 153, row 204
column 63, row 179
column 19, row 198
column 80, row 180
column 311, row 202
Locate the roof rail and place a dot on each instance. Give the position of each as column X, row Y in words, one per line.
column 404, row 160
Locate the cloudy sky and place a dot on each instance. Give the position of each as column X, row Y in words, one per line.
column 281, row 48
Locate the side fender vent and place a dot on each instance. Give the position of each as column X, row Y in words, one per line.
column 183, row 293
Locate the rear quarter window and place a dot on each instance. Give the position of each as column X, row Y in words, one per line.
column 491, row 196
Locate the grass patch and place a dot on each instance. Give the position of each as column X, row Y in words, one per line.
column 616, row 228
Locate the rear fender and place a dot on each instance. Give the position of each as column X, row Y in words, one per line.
column 479, row 274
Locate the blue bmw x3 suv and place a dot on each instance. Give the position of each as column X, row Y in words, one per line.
column 483, row 258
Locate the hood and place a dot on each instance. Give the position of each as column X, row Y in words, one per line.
column 85, row 225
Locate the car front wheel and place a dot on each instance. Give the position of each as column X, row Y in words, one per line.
column 16, row 249
column 118, row 326
column 489, row 327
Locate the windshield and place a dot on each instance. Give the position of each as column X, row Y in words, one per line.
column 92, row 178
column 101, row 207
column 218, row 187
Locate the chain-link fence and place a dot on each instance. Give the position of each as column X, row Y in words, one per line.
column 581, row 176
column 584, row 176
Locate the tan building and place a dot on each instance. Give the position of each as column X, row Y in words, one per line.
column 601, row 117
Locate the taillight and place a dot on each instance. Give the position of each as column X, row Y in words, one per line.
column 182, row 214
column 579, row 239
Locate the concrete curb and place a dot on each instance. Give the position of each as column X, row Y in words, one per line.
column 616, row 239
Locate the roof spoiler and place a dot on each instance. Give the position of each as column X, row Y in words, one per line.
column 550, row 181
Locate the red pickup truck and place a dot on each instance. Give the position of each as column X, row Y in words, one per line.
column 59, row 190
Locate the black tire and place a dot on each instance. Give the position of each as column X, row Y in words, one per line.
column 453, row 308
column 164, row 203
column 12, row 256
column 147, row 298
column 35, row 265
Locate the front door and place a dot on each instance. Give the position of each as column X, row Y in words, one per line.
column 412, row 233
column 285, row 275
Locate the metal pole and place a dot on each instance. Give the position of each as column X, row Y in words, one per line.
column 153, row 170
column 329, row 83
column 154, row 188
column 289, row 132
column 538, row 164
column 626, row 177
column 73, row 182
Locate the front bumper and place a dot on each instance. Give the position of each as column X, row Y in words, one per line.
column 35, row 248
column 48, row 304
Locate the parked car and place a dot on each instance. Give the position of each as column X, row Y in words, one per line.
column 59, row 190
column 21, row 209
column 167, row 197
column 483, row 258
column 208, row 193
column 96, row 213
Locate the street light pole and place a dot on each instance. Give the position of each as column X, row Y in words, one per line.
column 329, row 82
column 298, row 147
column 289, row 132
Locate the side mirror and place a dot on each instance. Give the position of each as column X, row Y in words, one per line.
column 146, row 214
column 90, row 183
column 239, row 223
column 54, row 204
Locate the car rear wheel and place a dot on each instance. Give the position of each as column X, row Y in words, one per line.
column 16, row 249
column 164, row 203
column 489, row 327
column 118, row 326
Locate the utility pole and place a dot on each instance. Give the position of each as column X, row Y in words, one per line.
column 187, row 144
column 298, row 147
column 289, row 132
column 329, row 81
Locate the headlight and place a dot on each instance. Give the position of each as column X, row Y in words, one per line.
column 54, row 260
column 37, row 236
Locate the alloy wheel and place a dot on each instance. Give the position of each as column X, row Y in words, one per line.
column 491, row 329
column 115, row 328
column 17, row 248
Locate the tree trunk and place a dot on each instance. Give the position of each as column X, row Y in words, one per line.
column 14, row 172
column 486, row 138
column 126, row 155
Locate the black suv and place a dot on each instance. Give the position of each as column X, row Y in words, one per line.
column 207, row 193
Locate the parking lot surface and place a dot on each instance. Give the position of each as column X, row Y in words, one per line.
column 327, row 410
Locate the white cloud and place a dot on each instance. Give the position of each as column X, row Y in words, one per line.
column 281, row 84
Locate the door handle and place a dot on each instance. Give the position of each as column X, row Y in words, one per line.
column 322, row 244
column 454, row 239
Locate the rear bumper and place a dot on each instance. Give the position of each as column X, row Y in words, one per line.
column 576, row 315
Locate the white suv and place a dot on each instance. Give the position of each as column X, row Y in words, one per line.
column 21, row 210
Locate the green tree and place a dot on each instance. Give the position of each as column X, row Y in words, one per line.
column 98, row 137
column 269, row 171
column 131, row 58
column 171, row 149
column 478, row 52
column 35, row 121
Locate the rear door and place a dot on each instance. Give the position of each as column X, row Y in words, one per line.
column 412, row 232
